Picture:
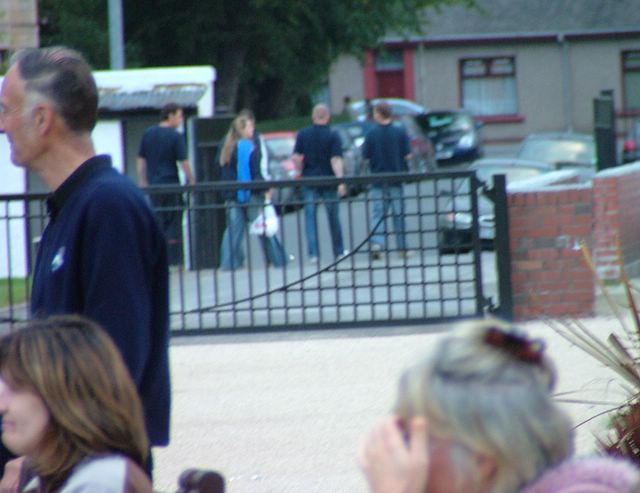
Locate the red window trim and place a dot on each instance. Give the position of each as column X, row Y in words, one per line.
column 491, row 119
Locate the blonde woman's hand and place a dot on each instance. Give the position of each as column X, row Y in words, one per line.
column 390, row 464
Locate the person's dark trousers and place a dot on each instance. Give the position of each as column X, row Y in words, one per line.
column 168, row 208
column 273, row 251
column 329, row 197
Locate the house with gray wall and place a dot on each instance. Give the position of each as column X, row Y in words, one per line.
column 519, row 66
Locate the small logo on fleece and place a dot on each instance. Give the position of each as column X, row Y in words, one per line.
column 58, row 260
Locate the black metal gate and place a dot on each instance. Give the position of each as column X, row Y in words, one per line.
column 432, row 282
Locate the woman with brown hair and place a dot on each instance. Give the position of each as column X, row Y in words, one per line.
column 70, row 408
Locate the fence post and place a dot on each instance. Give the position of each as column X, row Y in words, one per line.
column 502, row 248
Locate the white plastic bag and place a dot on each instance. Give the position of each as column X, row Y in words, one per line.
column 267, row 222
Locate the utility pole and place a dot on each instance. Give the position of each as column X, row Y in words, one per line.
column 116, row 35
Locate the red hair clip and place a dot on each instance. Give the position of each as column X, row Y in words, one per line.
column 517, row 345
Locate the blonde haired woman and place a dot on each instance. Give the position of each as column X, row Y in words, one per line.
column 478, row 416
column 70, row 408
column 240, row 161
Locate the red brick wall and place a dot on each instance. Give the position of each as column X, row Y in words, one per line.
column 616, row 211
column 549, row 274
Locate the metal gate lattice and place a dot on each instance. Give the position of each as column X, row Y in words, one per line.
column 354, row 290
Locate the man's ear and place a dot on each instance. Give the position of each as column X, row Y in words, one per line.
column 43, row 116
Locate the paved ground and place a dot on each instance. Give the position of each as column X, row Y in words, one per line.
column 286, row 412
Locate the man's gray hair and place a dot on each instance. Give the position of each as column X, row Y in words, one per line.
column 63, row 77
column 490, row 401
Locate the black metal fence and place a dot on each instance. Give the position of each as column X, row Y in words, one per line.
column 419, row 285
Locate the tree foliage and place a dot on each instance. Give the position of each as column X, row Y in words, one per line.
column 79, row 24
column 269, row 54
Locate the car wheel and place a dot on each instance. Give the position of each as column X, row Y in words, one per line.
column 452, row 242
column 453, row 250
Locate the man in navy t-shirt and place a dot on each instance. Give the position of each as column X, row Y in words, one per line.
column 161, row 148
column 387, row 149
column 319, row 151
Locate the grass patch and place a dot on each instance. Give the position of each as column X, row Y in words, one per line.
column 14, row 291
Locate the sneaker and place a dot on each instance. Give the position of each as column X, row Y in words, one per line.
column 342, row 255
column 376, row 251
column 313, row 260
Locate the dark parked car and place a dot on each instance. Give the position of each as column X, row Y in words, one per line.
column 357, row 129
column 454, row 225
column 282, row 167
column 562, row 150
column 424, row 156
column 421, row 146
column 455, row 135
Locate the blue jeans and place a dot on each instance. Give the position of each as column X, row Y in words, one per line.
column 329, row 196
column 385, row 197
column 238, row 215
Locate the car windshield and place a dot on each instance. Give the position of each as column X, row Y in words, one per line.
column 555, row 151
column 281, row 146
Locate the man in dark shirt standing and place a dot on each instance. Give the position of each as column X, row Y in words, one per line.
column 102, row 254
column 319, row 151
column 161, row 148
column 387, row 149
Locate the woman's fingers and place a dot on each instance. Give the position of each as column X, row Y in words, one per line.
column 393, row 459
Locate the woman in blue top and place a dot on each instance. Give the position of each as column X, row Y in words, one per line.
column 240, row 161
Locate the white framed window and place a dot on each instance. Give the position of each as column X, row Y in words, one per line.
column 488, row 86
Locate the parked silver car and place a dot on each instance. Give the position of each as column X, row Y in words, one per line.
column 454, row 223
column 282, row 167
column 399, row 106
column 562, row 150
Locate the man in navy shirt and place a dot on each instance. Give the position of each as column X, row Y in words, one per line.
column 387, row 149
column 102, row 254
column 319, row 151
column 161, row 148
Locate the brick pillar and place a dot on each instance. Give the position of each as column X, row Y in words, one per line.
column 616, row 233
column 549, row 274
